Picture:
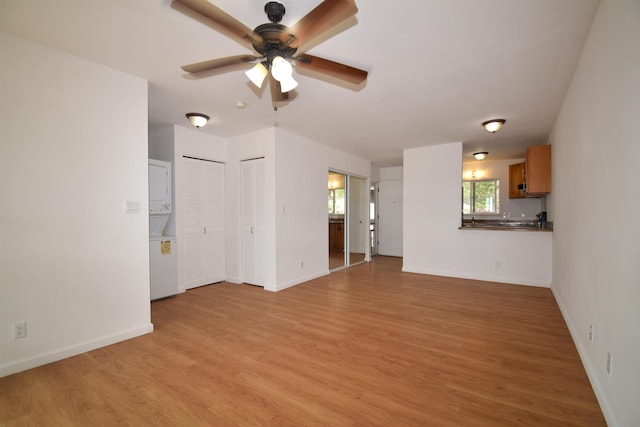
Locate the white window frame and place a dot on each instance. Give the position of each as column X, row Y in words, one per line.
column 472, row 197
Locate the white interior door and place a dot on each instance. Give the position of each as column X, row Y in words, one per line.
column 373, row 219
column 203, row 227
column 214, row 222
column 253, row 222
column 390, row 218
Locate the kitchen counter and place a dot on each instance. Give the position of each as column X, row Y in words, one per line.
column 501, row 225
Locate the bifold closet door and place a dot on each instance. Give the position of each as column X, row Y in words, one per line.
column 253, row 222
column 204, row 223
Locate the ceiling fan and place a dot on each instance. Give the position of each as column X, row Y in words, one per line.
column 277, row 44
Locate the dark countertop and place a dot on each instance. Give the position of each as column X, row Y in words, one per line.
column 502, row 225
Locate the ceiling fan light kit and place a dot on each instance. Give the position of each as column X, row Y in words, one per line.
column 197, row 119
column 279, row 44
column 493, row 125
column 288, row 84
column 280, row 68
column 257, row 74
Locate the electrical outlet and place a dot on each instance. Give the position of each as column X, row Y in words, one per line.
column 301, row 264
column 19, row 330
column 609, row 363
column 498, row 263
column 590, row 332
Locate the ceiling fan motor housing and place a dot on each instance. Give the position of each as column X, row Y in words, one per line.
column 272, row 43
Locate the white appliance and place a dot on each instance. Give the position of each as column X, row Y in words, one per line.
column 163, row 263
column 163, row 260
column 159, row 187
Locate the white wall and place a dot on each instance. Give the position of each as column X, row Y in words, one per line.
column 392, row 173
column 73, row 265
column 433, row 243
column 596, row 268
column 301, row 177
column 526, row 208
column 296, row 184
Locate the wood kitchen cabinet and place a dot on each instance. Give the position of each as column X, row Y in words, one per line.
column 516, row 181
column 336, row 235
column 537, row 171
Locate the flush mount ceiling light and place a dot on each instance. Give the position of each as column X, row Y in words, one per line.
column 493, row 125
column 481, row 155
column 198, row 120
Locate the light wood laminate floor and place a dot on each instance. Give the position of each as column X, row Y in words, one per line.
column 365, row 346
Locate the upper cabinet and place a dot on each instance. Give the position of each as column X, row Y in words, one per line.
column 538, row 171
column 531, row 178
column 516, row 181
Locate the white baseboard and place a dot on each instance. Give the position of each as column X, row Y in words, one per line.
column 282, row 286
column 487, row 278
column 588, row 367
column 72, row 350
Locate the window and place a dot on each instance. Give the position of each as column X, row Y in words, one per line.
column 336, row 201
column 481, row 196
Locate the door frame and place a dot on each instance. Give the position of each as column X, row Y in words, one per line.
column 347, row 223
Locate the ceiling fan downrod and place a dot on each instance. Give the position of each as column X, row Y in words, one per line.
column 275, row 11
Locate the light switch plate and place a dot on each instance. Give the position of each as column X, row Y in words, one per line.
column 132, row 207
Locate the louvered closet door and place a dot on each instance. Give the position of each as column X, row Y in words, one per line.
column 214, row 220
column 253, row 222
column 204, row 223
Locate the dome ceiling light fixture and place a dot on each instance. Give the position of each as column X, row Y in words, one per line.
column 197, row 119
column 493, row 125
column 481, row 155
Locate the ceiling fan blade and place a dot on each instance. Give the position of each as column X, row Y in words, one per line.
column 214, row 64
column 331, row 68
column 219, row 17
column 276, row 94
column 326, row 15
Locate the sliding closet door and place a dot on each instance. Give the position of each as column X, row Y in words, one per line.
column 337, row 186
column 253, row 222
column 358, row 219
column 204, row 223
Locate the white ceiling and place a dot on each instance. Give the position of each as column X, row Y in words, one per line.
column 437, row 68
